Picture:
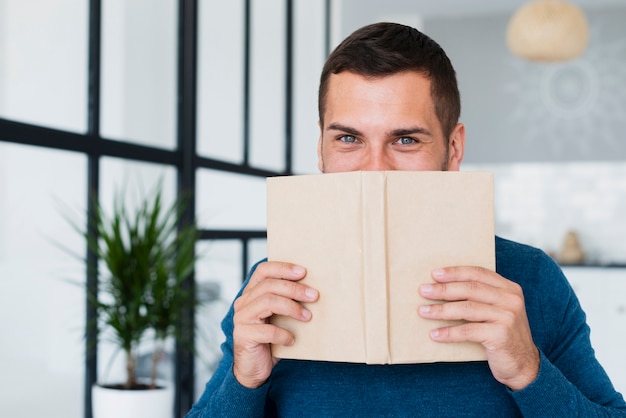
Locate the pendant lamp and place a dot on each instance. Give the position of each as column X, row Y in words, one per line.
column 548, row 30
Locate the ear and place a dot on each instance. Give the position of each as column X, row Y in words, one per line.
column 456, row 147
column 320, row 159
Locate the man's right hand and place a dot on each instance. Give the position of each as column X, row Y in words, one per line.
column 272, row 289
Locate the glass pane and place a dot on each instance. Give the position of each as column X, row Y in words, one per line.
column 218, row 277
column 267, row 124
column 230, row 201
column 257, row 250
column 219, row 272
column 309, row 56
column 42, row 299
column 43, row 62
column 134, row 181
column 220, row 80
column 139, row 71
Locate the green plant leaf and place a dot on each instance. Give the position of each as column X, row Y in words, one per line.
column 148, row 256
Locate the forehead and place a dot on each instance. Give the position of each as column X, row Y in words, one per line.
column 405, row 95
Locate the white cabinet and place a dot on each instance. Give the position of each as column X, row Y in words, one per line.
column 602, row 294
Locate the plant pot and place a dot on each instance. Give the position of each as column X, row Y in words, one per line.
column 120, row 403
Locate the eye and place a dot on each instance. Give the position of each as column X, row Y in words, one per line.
column 348, row 139
column 405, row 140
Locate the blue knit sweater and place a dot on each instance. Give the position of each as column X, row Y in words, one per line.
column 571, row 382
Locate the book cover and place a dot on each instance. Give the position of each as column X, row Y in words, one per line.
column 368, row 240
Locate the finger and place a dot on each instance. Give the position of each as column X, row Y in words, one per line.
column 276, row 270
column 285, row 288
column 479, row 333
column 258, row 310
column 469, row 273
column 464, row 310
column 263, row 334
column 464, row 290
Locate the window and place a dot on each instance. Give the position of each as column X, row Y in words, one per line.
column 201, row 94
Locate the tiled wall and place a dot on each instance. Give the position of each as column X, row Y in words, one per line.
column 537, row 203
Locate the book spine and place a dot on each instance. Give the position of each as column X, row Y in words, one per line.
column 375, row 277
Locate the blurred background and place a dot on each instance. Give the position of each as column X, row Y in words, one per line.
column 211, row 97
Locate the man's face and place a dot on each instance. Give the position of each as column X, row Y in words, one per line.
column 384, row 123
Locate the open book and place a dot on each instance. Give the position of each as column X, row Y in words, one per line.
column 368, row 240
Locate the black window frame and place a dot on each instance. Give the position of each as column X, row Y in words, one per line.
column 184, row 158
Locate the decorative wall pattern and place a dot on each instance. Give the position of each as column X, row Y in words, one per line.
column 573, row 107
column 520, row 111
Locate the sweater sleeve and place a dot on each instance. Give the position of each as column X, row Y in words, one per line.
column 571, row 381
column 223, row 395
column 553, row 395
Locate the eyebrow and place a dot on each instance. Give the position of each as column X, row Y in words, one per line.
column 344, row 128
column 396, row 132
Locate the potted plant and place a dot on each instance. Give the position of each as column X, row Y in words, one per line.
column 148, row 256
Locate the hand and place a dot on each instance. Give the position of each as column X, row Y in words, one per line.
column 496, row 318
column 272, row 289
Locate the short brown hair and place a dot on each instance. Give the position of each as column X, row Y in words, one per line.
column 383, row 49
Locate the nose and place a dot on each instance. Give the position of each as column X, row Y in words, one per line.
column 377, row 160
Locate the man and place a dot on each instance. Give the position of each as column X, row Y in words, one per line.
column 389, row 100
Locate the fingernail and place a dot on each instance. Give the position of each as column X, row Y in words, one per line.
column 434, row 333
column 306, row 314
column 424, row 309
column 438, row 273
column 298, row 270
column 310, row 293
column 426, row 289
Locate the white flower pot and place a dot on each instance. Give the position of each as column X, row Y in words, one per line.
column 116, row 403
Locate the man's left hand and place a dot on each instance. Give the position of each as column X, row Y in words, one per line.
column 496, row 318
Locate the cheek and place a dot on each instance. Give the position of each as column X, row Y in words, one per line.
column 420, row 162
column 338, row 166
column 339, row 162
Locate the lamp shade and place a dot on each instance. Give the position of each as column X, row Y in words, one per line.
column 548, row 30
